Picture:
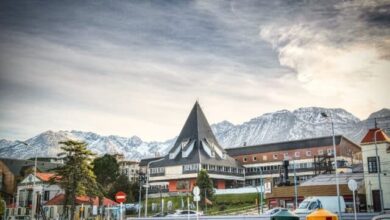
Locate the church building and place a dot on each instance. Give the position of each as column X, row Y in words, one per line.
column 195, row 148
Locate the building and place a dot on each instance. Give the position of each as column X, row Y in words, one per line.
column 321, row 185
column 310, row 157
column 12, row 172
column 371, row 168
column 129, row 168
column 86, row 207
column 31, row 185
column 195, row 148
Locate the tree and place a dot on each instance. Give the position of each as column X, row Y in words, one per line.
column 2, row 206
column 76, row 176
column 106, row 169
column 121, row 184
column 205, row 185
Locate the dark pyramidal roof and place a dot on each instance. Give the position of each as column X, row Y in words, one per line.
column 195, row 137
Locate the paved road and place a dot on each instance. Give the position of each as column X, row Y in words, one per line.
column 349, row 216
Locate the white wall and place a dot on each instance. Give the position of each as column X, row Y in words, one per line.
column 384, row 157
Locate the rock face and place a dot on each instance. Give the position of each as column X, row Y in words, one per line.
column 271, row 127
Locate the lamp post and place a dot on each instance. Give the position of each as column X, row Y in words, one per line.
column 323, row 114
column 147, row 184
column 295, row 187
column 378, row 169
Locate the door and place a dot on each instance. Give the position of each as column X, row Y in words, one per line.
column 376, row 200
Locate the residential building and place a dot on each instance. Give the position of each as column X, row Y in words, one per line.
column 371, row 148
column 12, row 172
column 130, row 168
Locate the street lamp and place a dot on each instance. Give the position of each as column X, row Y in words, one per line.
column 323, row 114
column 147, row 184
column 378, row 170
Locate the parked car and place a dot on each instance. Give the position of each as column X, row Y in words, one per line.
column 190, row 213
column 382, row 217
column 273, row 212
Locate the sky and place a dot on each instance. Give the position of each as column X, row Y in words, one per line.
column 137, row 67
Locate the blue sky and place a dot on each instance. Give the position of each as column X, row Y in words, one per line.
column 136, row 67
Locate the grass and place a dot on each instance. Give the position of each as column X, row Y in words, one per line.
column 222, row 204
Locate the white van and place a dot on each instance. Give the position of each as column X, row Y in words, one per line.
column 329, row 203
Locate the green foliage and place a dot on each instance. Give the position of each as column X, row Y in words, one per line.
column 106, row 169
column 2, row 206
column 121, row 184
column 76, row 176
column 206, row 187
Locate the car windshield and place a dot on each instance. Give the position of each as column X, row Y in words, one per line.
column 272, row 211
column 304, row 205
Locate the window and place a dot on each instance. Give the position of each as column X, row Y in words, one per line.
column 308, row 153
column 372, row 165
column 157, row 170
column 190, row 167
column 329, row 151
column 183, row 184
column 244, row 159
column 275, row 156
column 46, row 195
column 320, row 152
column 264, row 157
column 297, row 154
column 254, row 158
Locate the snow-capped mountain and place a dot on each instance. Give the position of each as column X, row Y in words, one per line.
column 270, row 127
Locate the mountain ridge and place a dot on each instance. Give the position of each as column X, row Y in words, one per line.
column 278, row 126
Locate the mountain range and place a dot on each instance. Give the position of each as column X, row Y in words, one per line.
column 277, row 126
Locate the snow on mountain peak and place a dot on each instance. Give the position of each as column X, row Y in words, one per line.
column 276, row 126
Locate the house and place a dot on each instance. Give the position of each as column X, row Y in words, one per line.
column 85, row 207
column 376, row 142
column 13, row 170
column 195, row 148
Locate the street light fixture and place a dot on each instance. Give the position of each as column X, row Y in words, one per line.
column 323, row 114
column 147, row 184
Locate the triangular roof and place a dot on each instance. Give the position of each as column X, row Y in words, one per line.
column 370, row 136
column 196, row 143
column 196, row 128
column 59, row 200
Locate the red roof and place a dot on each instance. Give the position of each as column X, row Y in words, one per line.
column 59, row 200
column 370, row 136
column 12, row 205
column 45, row 176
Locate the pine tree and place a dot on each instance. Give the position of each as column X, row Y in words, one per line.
column 205, row 185
column 76, row 176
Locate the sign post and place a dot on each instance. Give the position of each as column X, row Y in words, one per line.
column 196, row 192
column 352, row 185
column 120, row 197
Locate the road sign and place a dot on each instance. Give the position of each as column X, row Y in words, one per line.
column 196, row 191
column 120, row 197
column 352, row 185
column 196, row 198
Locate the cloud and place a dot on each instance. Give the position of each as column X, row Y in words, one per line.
column 135, row 68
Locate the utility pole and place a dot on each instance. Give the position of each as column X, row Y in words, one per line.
column 379, row 171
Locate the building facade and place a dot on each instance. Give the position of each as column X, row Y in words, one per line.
column 195, row 148
column 309, row 157
column 129, row 168
column 376, row 142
